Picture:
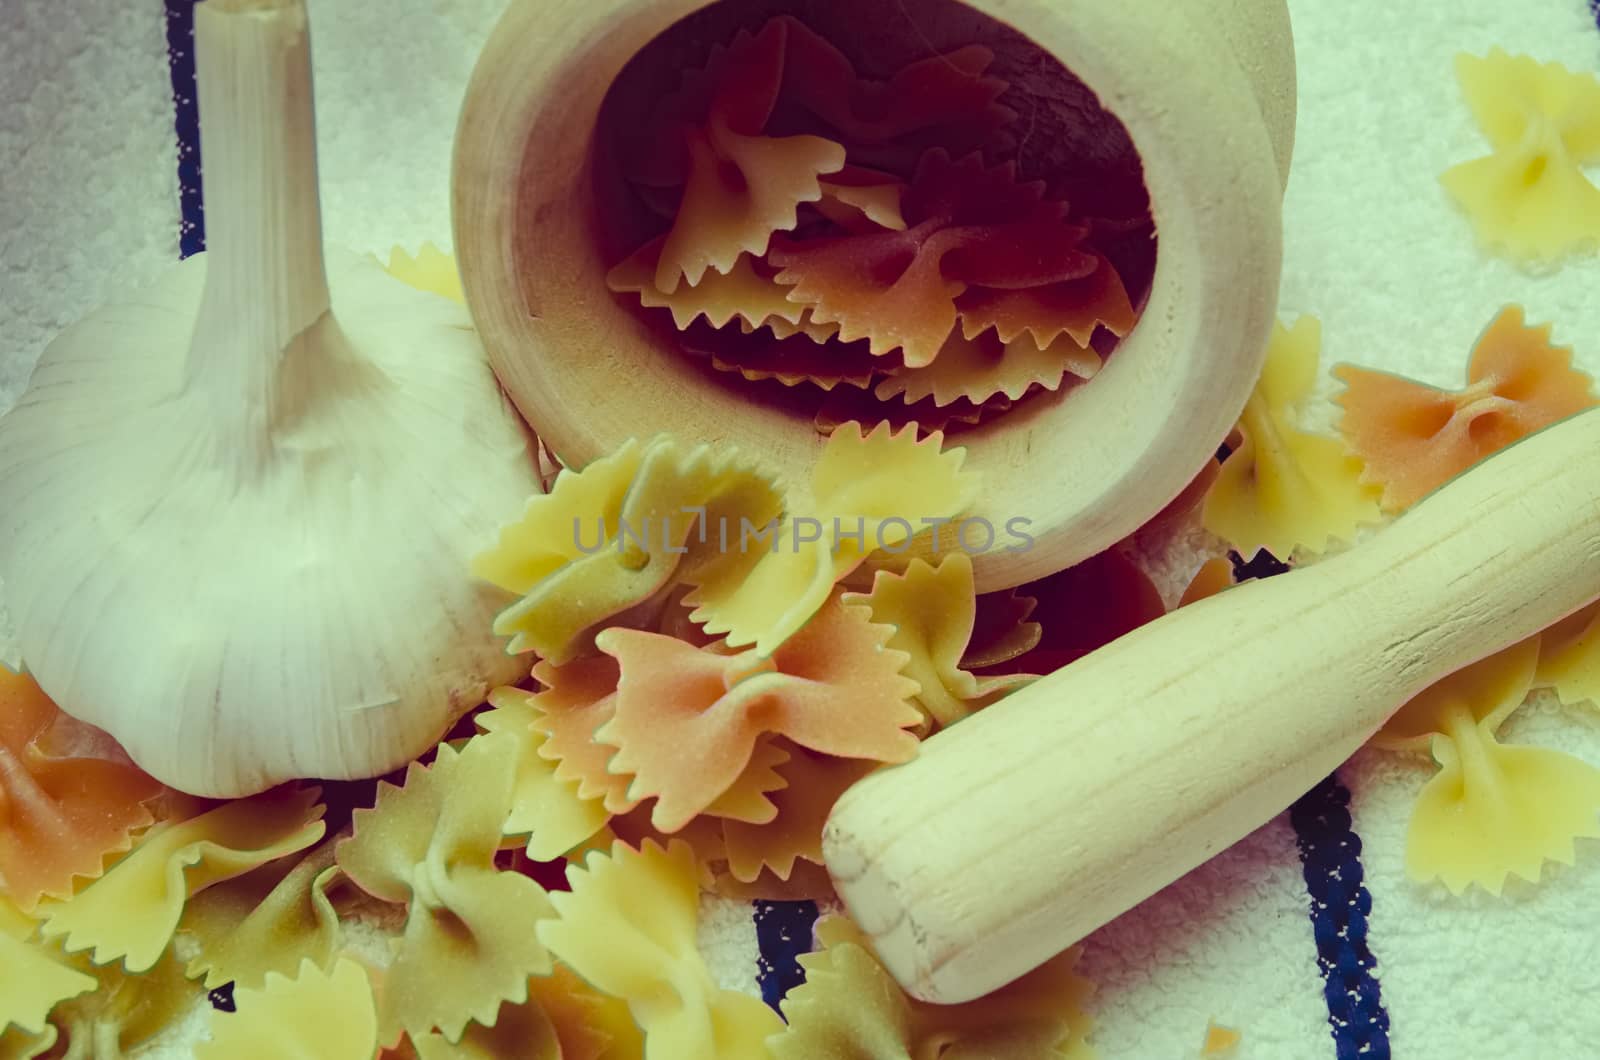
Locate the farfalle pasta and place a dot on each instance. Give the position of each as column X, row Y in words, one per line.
column 1529, row 197
column 628, row 926
column 862, row 487
column 544, row 807
column 1492, row 810
column 317, row 1015
column 468, row 942
column 1414, row 438
column 967, row 225
column 849, row 1008
column 1285, row 488
column 813, row 783
column 617, row 533
column 62, row 813
column 834, row 687
column 563, row 1019
column 431, row 270
column 1569, row 657
column 932, row 610
column 268, row 920
column 33, row 981
column 131, row 913
column 979, row 368
column 124, row 1011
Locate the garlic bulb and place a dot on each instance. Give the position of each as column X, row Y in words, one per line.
column 237, row 506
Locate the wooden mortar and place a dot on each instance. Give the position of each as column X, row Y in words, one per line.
column 1205, row 93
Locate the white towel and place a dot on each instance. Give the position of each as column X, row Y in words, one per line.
column 89, row 197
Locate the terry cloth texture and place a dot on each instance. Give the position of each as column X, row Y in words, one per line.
column 1306, row 936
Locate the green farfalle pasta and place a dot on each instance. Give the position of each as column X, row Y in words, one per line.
column 132, row 911
column 268, row 920
column 468, row 942
column 849, row 1008
column 610, row 537
column 1492, row 810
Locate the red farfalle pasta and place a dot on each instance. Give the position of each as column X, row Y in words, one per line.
column 967, row 224
column 61, row 813
column 832, row 687
column 1083, row 608
column 1414, row 438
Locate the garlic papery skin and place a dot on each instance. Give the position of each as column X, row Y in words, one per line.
column 236, row 523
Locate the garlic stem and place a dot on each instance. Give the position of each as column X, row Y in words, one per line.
column 265, row 281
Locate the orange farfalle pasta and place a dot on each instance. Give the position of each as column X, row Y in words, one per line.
column 1074, row 307
column 619, row 532
column 1492, row 810
column 629, row 927
column 932, row 610
column 968, row 224
column 61, row 814
column 833, row 687
column 468, row 942
column 1529, row 197
column 1569, row 657
column 977, row 369
column 740, row 185
column 1284, row 488
column 581, row 697
column 1414, row 438
column 849, row 1006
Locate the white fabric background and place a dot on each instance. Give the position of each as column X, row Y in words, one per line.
column 88, row 197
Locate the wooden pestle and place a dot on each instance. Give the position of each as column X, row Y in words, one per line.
column 1017, row 832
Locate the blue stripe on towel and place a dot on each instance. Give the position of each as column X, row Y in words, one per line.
column 1330, row 855
column 1330, row 858
column 783, row 933
column 180, row 56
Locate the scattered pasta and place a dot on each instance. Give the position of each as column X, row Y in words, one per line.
column 1529, row 197
column 1413, row 439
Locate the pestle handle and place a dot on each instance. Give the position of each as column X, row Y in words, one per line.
column 1017, row 832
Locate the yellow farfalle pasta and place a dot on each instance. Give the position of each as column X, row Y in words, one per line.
column 133, row 910
column 865, row 489
column 33, row 981
column 431, row 270
column 979, row 368
column 849, row 1007
column 629, row 927
column 315, row 1016
column 1529, row 196
column 1492, row 810
column 544, row 807
column 615, row 534
column 469, row 941
column 268, row 920
column 1001, row 629
column 833, row 687
column 563, row 1019
column 794, row 835
column 1569, row 657
column 863, row 200
column 124, row 1011
column 1284, row 488
column 932, row 610
column 739, row 293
